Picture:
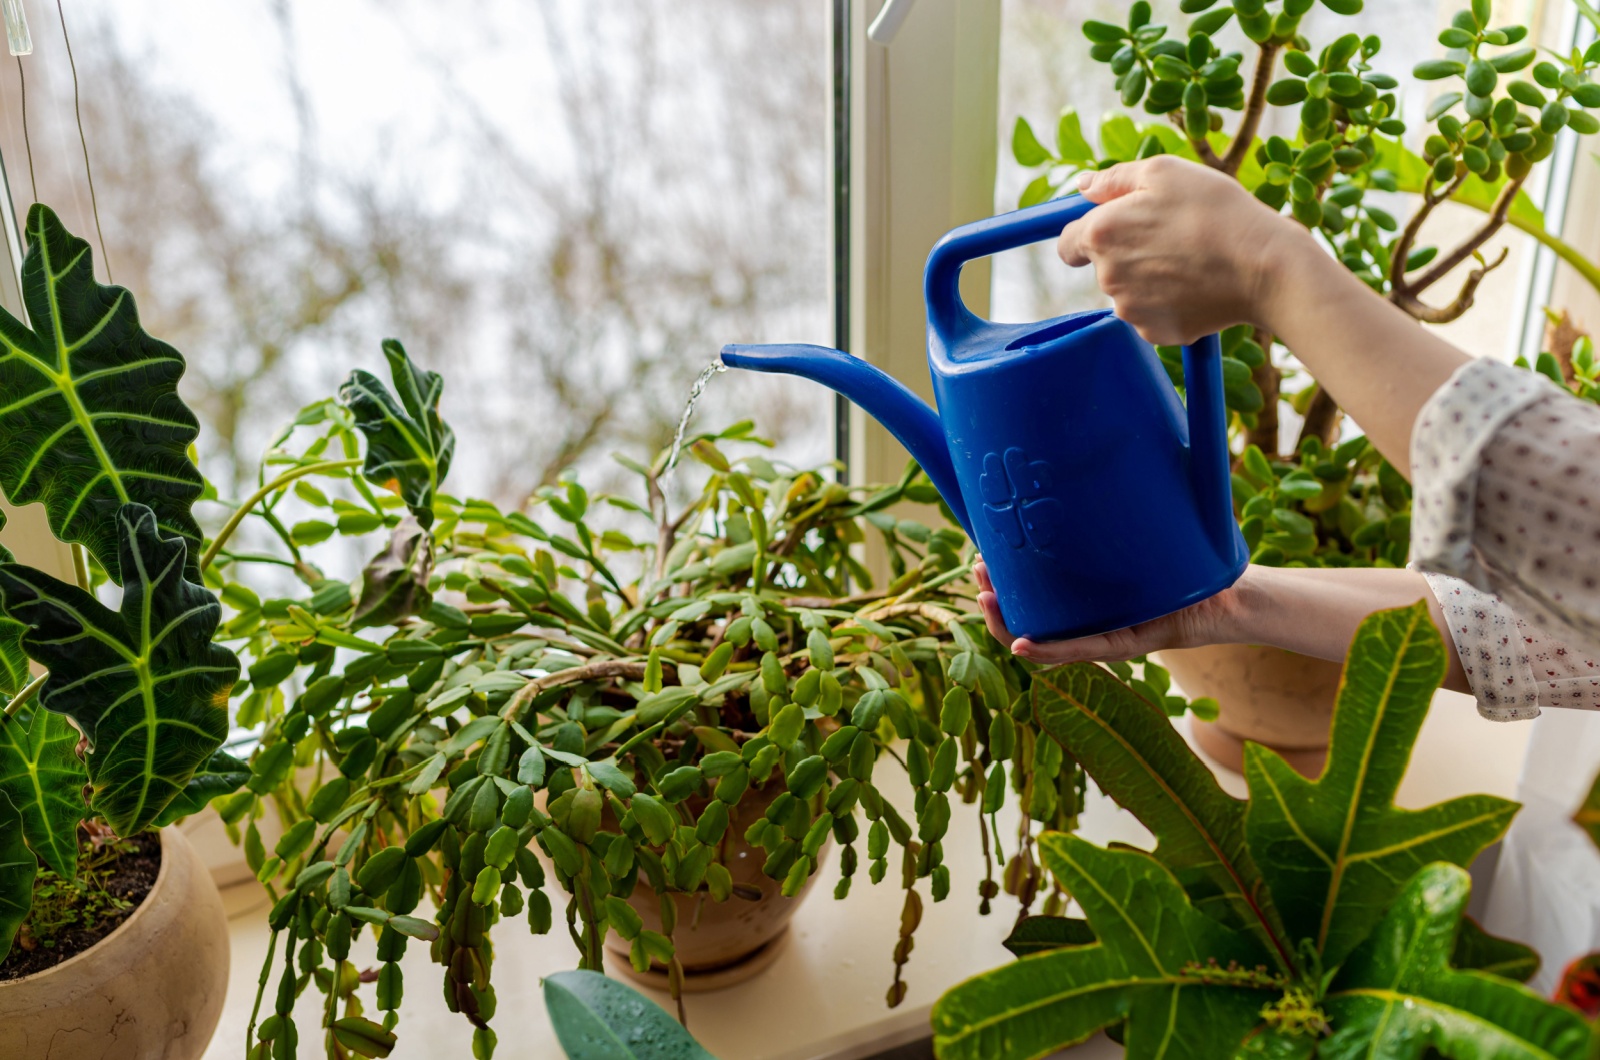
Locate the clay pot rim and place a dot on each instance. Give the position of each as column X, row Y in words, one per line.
column 144, row 905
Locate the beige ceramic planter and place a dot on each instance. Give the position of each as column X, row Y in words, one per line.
column 151, row 990
column 1270, row 696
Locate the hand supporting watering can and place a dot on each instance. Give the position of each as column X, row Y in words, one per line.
column 1184, row 251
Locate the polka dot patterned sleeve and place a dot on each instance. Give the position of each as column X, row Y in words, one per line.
column 1506, row 475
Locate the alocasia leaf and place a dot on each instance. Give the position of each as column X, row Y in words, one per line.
column 13, row 660
column 1336, row 851
column 41, row 773
column 90, row 417
column 394, row 583
column 1187, row 985
column 222, row 774
column 1136, row 757
column 146, row 685
column 596, row 1018
column 18, row 867
column 1397, row 996
column 408, row 446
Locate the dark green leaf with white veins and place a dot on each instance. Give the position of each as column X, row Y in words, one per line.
column 18, row 867
column 90, row 417
column 1336, row 851
column 1397, row 996
column 1135, row 756
column 221, row 775
column 1149, row 968
column 145, row 685
column 596, row 1018
column 408, row 446
column 13, row 660
column 42, row 775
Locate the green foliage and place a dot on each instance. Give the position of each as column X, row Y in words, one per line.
column 651, row 674
column 596, row 1018
column 409, row 447
column 1313, row 919
column 90, row 418
column 1339, row 507
column 80, row 899
column 18, row 867
column 43, row 777
column 145, row 685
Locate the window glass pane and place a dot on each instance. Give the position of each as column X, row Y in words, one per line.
column 565, row 207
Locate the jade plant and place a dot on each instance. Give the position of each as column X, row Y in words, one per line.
column 132, row 706
column 1314, row 918
column 1497, row 108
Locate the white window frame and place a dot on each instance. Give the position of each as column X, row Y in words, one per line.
column 922, row 150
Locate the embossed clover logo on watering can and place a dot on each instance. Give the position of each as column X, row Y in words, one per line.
column 1097, row 498
column 1016, row 502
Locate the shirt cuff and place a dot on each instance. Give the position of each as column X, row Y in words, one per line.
column 1447, row 444
column 1492, row 647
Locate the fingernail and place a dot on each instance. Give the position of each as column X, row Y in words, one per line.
column 1085, row 179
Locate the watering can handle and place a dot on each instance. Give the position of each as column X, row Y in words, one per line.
column 1202, row 360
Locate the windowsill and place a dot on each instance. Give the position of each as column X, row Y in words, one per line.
column 823, row 997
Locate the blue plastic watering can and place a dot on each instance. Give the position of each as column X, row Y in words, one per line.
column 1061, row 446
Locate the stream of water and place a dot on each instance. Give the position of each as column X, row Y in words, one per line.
column 714, row 368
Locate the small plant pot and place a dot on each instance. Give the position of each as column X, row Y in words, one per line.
column 1267, row 695
column 151, row 990
column 721, row 944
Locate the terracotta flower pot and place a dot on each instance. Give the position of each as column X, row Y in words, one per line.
column 721, row 943
column 1276, row 698
column 151, row 990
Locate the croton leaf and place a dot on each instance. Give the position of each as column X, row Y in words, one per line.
column 1130, row 748
column 1035, row 934
column 222, row 774
column 596, row 1018
column 394, row 583
column 1397, row 996
column 408, row 446
column 18, row 867
column 145, row 685
column 90, row 417
column 1336, row 850
column 1477, row 950
column 1588, row 815
column 42, row 775
column 1181, row 980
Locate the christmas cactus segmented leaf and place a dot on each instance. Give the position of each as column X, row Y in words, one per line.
column 408, row 446
column 90, row 417
column 1397, row 996
column 18, row 867
column 145, row 685
column 596, row 1018
column 42, row 775
column 1136, row 757
column 1336, row 851
column 1186, row 985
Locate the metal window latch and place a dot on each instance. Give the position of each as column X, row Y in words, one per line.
column 17, row 35
column 882, row 31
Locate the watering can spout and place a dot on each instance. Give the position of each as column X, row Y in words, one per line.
column 1210, row 461
column 906, row 416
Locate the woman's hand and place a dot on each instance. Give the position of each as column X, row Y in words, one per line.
column 1211, row 621
column 1181, row 249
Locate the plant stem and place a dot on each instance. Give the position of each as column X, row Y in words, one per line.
column 80, row 566
column 1244, row 139
column 22, row 698
column 261, row 494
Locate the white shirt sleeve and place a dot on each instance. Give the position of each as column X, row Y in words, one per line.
column 1506, row 476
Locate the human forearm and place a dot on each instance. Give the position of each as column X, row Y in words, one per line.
column 1316, row 611
column 1376, row 362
